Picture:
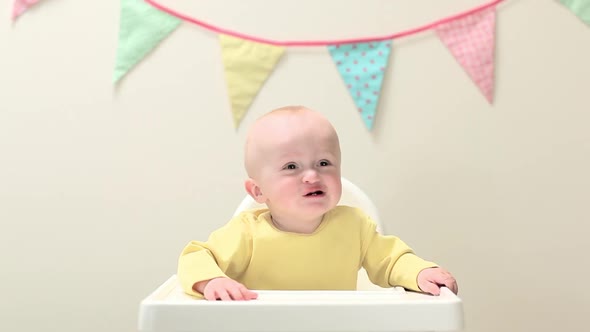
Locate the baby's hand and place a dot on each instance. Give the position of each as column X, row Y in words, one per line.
column 432, row 279
column 226, row 289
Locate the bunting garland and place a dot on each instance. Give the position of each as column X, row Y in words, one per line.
column 362, row 62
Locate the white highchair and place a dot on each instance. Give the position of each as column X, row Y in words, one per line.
column 369, row 308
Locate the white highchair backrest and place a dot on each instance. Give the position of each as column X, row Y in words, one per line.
column 352, row 195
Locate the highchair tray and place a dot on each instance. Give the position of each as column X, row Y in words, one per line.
column 169, row 309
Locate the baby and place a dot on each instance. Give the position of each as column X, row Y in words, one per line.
column 303, row 241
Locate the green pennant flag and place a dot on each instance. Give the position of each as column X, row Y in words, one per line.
column 580, row 8
column 142, row 27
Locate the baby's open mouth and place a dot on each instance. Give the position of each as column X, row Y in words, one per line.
column 315, row 193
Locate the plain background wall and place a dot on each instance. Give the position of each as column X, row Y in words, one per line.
column 101, row 187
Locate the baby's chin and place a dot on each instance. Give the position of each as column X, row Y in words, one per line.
column 317, row 211
column 301, row 213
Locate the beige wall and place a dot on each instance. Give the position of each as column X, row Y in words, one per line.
column 100, row 188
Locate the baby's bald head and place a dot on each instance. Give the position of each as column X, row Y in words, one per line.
column 283, row 126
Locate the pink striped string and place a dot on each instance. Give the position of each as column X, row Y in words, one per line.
column 310, row 43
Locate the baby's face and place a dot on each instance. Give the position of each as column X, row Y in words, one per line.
column 298, row 168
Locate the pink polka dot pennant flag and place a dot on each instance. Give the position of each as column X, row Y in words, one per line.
column 21, row 6
column 362, row 67
column 471, row 40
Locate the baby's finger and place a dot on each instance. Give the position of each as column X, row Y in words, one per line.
column 235, row 293
column 430, row 287
column 453, row 286
column 209, row 294
column 449, row 282
column 248, row 294
column 223, row 295
column 441, row 278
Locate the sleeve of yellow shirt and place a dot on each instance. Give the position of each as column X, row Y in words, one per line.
column 226, row 253
column 389, row 261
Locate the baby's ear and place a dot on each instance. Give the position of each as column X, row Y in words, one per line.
column 254, row 191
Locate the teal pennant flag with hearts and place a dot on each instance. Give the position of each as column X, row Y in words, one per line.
column 362, row 66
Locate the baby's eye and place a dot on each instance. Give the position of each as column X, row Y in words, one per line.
column 325, row 163
column 290, row 166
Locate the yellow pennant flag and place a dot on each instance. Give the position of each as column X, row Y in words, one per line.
column 247, row 66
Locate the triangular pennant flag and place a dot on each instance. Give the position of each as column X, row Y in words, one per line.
column 580, row 8
column 247, row 66
column 21, row 6
column 362, row 67
column 141, row 28
column 471, row 40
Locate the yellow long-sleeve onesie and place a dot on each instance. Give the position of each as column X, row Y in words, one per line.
column 250, row 250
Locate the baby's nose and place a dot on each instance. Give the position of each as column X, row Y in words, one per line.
column 310, row 176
